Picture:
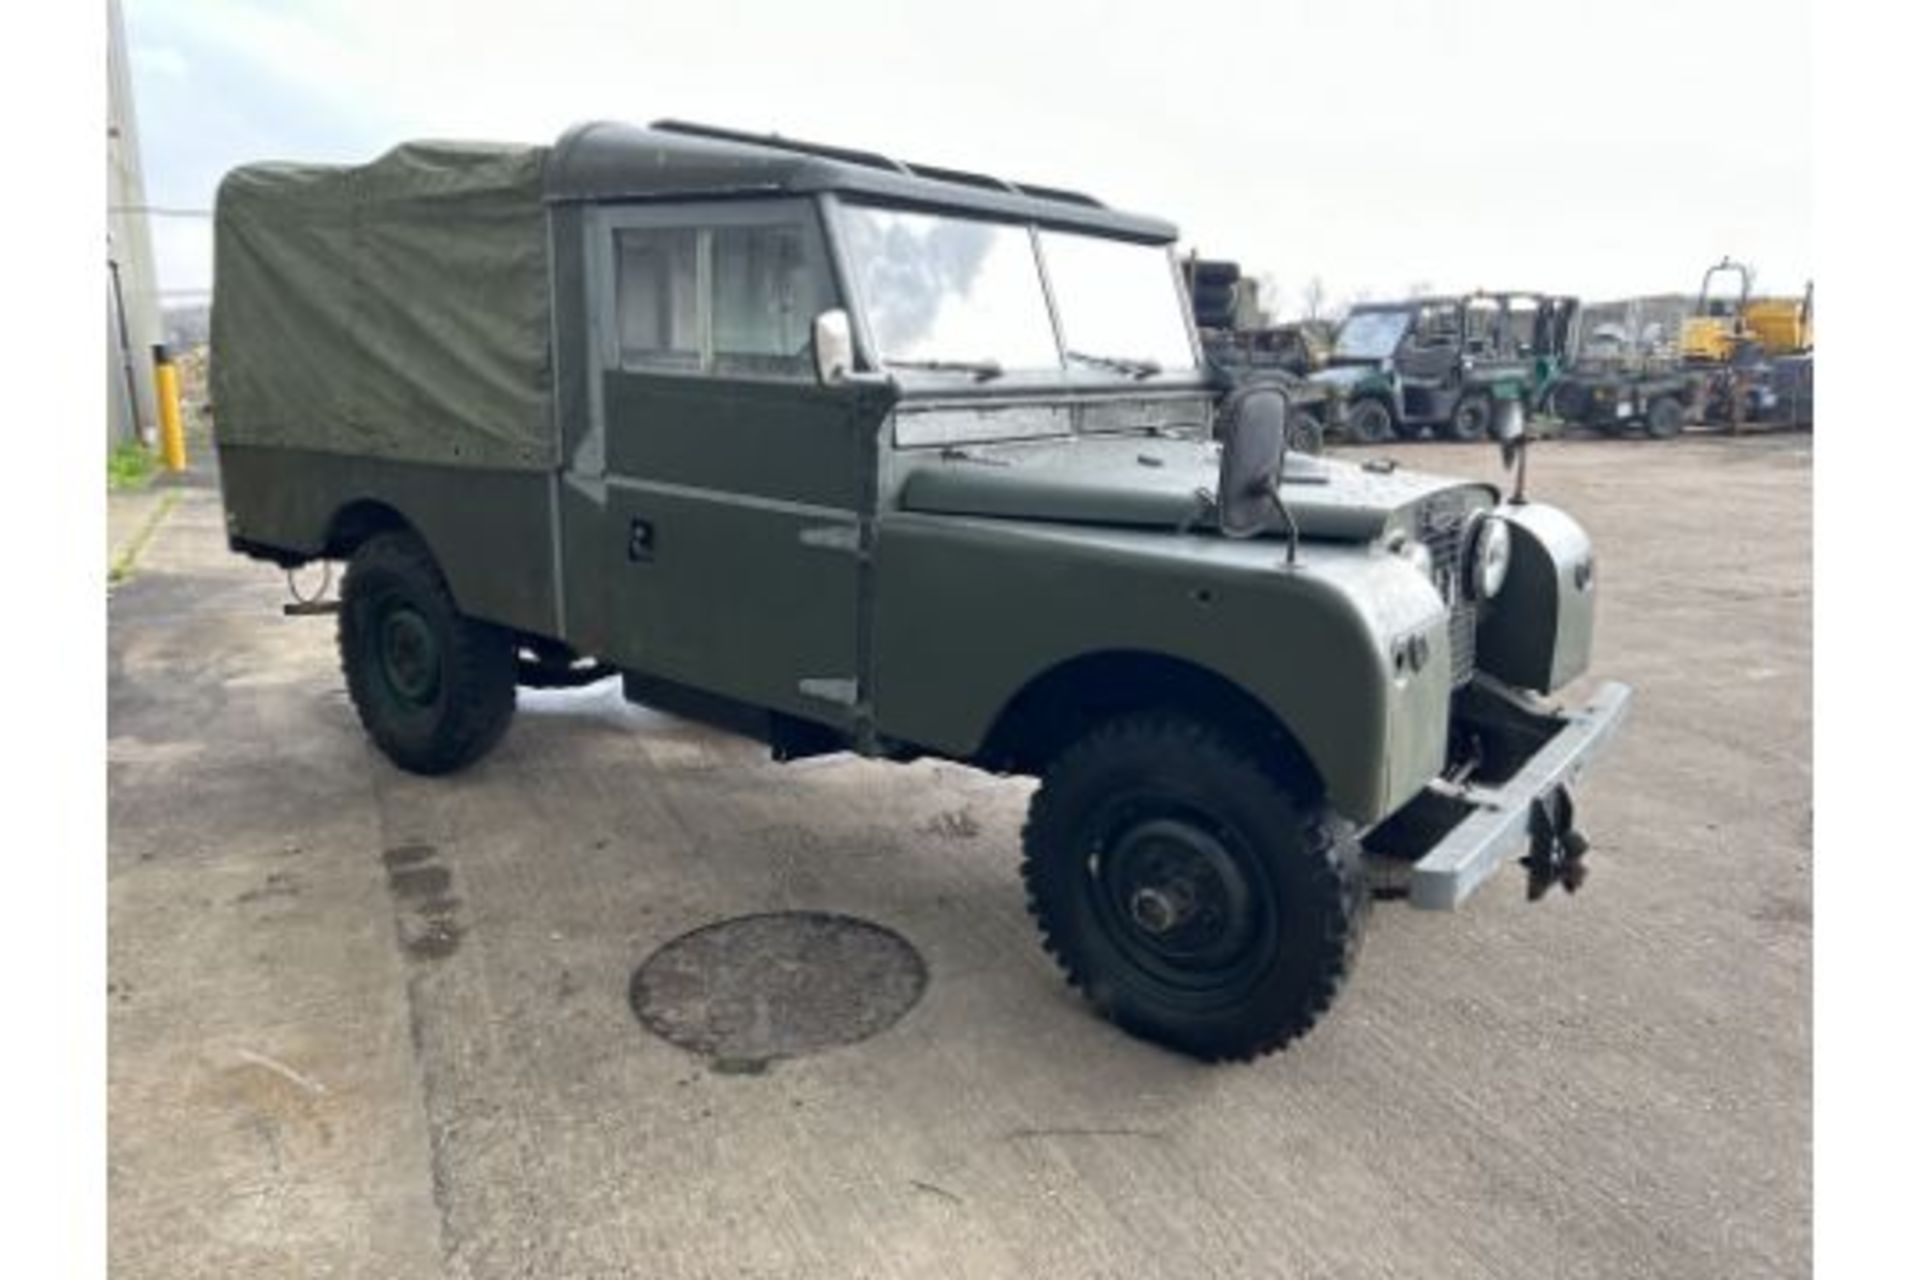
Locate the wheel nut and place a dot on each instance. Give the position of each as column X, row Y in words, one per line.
column 1154, row 910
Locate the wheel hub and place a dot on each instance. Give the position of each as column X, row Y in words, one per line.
column 409, row 654
column 1161, row 909
column 1177, row 895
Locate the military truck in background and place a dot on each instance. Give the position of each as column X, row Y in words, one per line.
column 850, row 454
column 1241, row 345
column 1399, row 369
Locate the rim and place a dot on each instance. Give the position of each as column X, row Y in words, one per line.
column 1371, row 421
column 408, row 651
column 1179, row 898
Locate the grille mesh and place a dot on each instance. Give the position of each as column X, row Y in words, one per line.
column 1443, row 528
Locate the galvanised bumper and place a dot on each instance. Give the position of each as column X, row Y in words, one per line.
column 1502, row 823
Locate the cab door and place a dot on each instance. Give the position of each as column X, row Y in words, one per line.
column 735, row 490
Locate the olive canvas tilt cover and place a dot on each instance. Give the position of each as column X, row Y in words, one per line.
column 397, row 309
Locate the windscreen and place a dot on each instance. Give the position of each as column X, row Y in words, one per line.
column 1120, row 303
column 1370, row 335
column 942, row 290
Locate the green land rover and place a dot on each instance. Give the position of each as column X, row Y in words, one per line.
column 852, row 454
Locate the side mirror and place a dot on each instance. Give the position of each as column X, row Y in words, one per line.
column 832, row 346
column 1253, row 448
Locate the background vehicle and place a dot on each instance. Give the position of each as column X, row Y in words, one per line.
column 1736, row 361
column 1756, row 354
column 1241, row 346
column 898, row 460
column 1399, row 368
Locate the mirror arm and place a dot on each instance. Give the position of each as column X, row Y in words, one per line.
column 1286, row 516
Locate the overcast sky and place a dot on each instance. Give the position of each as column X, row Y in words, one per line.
column 1599, row 149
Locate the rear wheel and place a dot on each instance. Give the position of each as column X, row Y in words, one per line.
column 1370, row 421
column 1304, row 434
column 434, row 688
column 1665, row 418
column 1194, row 898
column 1471, row 418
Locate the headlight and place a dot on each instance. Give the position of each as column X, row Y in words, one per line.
column 1490, row 554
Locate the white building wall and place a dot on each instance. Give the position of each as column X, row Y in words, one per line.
column 130, row 247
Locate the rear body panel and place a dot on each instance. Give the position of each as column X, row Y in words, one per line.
column 492, row 531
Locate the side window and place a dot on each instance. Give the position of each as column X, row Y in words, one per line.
column 733, row 299
column 658, row 297
column 1436, row 327
column 1483, row 324
column 767, row 288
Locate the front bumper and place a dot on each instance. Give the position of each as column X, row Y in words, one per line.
column 1503, row 823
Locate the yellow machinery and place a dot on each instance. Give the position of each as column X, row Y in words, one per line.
column 1754, row 354
column 1723, row 325
column 1782, row 325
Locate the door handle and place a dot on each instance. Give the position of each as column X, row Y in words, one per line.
column 639, row 540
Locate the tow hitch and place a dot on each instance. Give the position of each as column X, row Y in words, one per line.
column 1457, row 834
column 313, row 605
column 1558, row 854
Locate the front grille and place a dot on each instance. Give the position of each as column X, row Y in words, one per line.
column 1443, row 527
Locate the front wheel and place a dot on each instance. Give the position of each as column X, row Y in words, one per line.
column 1470, row 418
column 1194, row 898
column 1369, row 421
column 434, row 688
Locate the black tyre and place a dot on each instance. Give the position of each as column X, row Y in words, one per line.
column 1215, row 272
column 434, row 689
column 1471, row 417
column 1369, row 421
column 1304, row 433
column 1665, row 417
column 1187, row 892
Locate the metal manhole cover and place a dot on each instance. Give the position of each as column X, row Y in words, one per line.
column 746, row 991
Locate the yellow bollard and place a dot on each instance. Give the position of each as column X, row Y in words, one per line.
column 166, row 392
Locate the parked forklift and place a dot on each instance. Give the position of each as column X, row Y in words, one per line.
column 1441, row 363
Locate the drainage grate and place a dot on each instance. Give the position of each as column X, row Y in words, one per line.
column 749, row 990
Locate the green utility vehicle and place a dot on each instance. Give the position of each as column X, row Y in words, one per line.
column 850, row 454
column 1400, row 368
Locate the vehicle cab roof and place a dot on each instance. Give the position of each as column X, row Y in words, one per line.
column 672, row 160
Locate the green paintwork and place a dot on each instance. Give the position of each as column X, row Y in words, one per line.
column 1152, row 484
column 1547, row 644
column 969, row 611
column 789, row 547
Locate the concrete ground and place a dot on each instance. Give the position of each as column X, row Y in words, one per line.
column 368, row 1024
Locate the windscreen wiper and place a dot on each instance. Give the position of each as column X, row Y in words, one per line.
column 1129, row 365
column 982, row 370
